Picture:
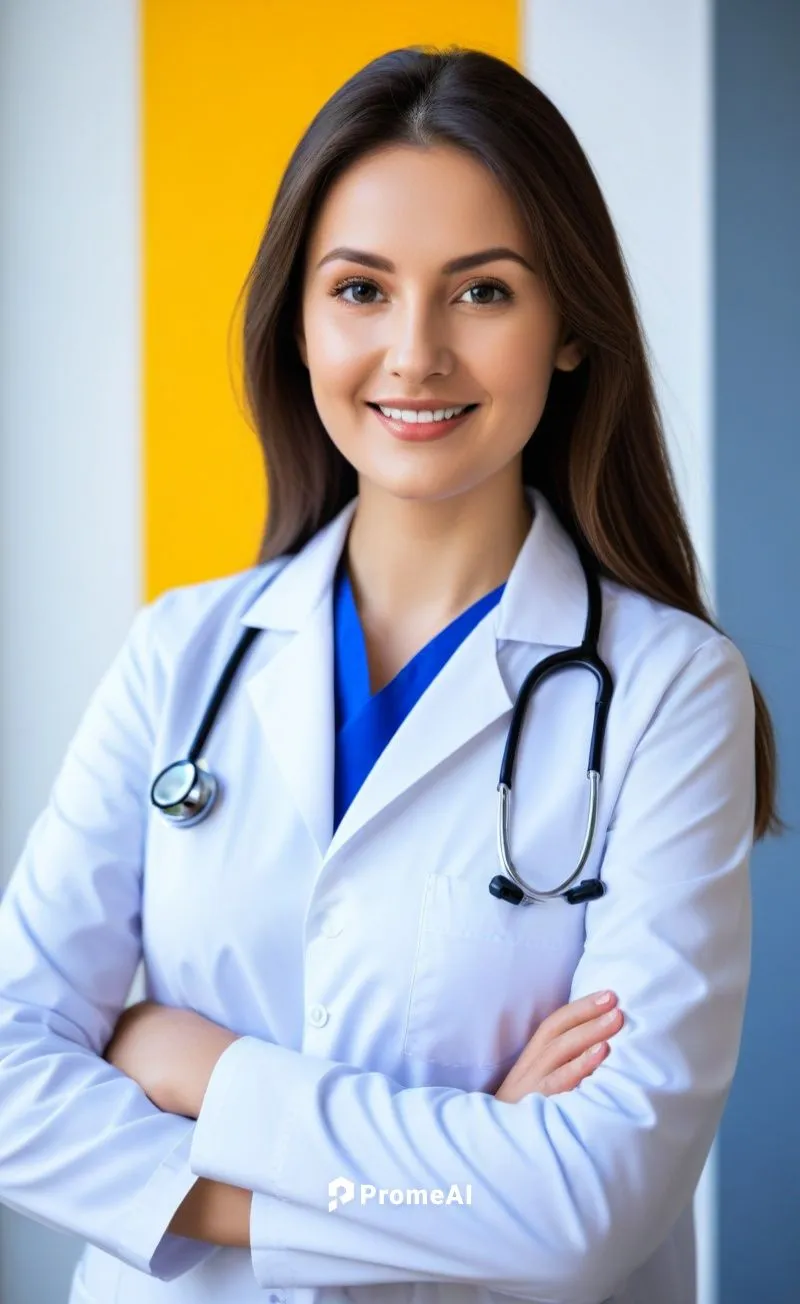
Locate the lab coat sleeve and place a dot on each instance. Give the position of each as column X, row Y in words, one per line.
column 82, row 1148
column 570, row 1193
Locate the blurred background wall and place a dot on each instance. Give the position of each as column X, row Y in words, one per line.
column 140, row 146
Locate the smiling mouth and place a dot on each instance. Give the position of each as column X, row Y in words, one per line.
column 415, row 414
column 422, row 431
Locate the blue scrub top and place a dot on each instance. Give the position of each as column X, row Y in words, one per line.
column 365, row 722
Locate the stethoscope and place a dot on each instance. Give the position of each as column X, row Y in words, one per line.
column 586, row 657
column 185, row 791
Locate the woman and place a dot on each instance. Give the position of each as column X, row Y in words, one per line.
column 449, row 383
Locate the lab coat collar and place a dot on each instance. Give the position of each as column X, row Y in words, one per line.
column 544, row 601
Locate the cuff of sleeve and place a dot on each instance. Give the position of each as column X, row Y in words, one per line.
column 272, row 1258
column 244, row 1128
column 144, row 1243
column 291, row 1250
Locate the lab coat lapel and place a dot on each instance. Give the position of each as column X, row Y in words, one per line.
column 293, row 700
column 292, row 694
column 466, row 697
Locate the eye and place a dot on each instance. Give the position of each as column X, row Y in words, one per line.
column 355, row 281
column 490, row 284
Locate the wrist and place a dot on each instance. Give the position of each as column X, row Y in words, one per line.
column 194, row 1081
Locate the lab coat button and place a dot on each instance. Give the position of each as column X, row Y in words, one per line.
column 275, row 1298
column 331, row 925
column 317, row 1015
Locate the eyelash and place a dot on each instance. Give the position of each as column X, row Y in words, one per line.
column 337, row 289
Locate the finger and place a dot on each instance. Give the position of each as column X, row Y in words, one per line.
column 576, row 1014
column 568, row 1076
column 573, row 1043
column 578, row 1039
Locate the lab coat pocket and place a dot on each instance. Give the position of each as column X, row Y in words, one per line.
column 481, row 981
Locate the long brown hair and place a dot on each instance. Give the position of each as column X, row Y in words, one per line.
column 598, row 453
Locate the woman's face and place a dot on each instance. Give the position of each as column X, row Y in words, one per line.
column 412, row 329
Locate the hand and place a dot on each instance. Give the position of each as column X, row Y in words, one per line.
column 555, row 1059
column 170, row 1052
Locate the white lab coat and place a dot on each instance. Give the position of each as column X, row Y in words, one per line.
column 381, row 991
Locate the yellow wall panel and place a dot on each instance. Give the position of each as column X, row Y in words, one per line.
column 227, row 89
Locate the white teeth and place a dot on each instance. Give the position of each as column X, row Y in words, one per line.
column 407, row 414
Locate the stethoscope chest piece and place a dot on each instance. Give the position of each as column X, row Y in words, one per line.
column 184, row 792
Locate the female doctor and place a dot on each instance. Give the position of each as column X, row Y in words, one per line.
column 360, row 1073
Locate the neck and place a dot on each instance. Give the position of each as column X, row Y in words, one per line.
column 430, row 560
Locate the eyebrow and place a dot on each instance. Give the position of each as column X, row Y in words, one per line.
column 462, row 264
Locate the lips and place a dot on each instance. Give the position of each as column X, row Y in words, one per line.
column 422, row 431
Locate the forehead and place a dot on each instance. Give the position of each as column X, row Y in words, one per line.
column 417, row 201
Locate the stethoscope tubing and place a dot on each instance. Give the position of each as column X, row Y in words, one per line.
column 569, row 659
column 197, row 788
column 185, row 792
column 514, row 888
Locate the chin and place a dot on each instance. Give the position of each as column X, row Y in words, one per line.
column 419, row 486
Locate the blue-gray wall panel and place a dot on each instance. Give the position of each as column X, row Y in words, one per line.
column 757, row 548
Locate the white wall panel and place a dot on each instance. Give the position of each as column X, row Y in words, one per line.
column 69, row 424
column 69, row 376
column 634, row 81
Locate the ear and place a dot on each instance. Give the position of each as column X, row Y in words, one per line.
column 569, row 354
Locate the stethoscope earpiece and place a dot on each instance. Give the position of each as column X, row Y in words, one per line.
column 589, row 890
column 502, row 888
column 184, row 792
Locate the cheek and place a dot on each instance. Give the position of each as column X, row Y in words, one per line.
column 517, row 369
column 337, row 348
column 340, row 362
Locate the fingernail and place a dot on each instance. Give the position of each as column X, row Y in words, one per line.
column 595, row 1050
column 610, row 1017
column 603, row 998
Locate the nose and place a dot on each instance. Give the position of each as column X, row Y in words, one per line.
column 417, row 344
